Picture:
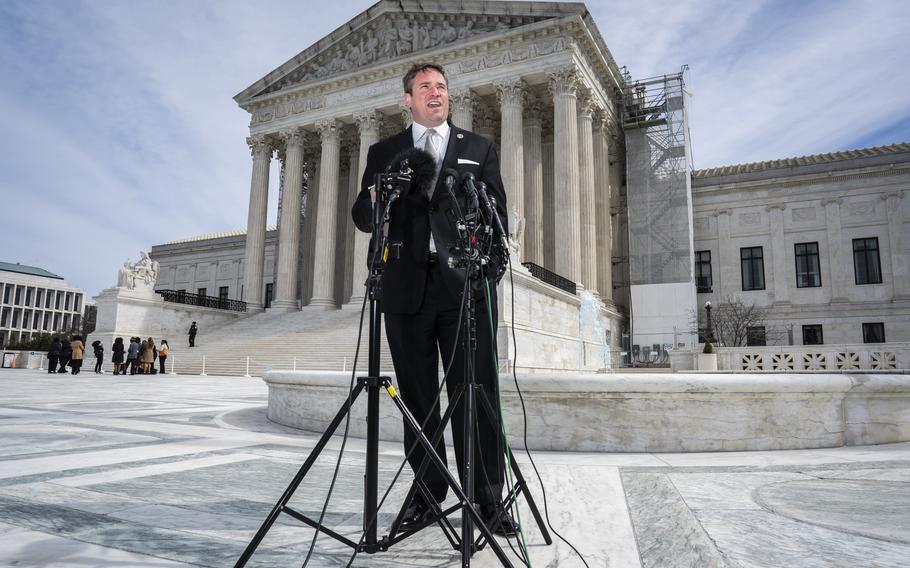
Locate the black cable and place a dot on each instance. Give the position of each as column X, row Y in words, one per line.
column 524, row 415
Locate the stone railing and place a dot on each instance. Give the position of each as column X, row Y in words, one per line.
column 842, row 357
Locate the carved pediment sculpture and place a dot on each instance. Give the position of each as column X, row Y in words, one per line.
column 391, row 36
column 141, row 274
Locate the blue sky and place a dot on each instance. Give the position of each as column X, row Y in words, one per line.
column 119, row 130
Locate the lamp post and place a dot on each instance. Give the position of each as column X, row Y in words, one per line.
column 710, row 331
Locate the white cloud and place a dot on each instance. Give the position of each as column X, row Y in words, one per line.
column 120, row 130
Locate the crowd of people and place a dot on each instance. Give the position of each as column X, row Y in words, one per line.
column 136, row 358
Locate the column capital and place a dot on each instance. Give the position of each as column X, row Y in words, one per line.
column 563, row 81
column 892, row 194
column 260, row 145
column 720, row 212
column 462, row 100
column 292, row 137
column 511, row 92
column 586, row 105
column 775, row 206
column 329, row 130
column 368, row 121
column 405, row 114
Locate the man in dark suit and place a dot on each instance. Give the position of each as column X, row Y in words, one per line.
column 422, row 295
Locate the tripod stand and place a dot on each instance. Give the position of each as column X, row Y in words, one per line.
column 372, row 383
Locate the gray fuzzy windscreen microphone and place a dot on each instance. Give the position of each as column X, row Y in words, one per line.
column 421, row 164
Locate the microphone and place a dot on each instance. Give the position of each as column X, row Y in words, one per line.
column 471, row 190
column 416, row 168
column 482, row 191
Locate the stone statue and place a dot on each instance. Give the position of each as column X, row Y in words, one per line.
column 144, row 271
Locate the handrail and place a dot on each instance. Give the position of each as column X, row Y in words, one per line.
column 202, row 301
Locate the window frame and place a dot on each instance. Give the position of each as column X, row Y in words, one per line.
column 867, row 330
column 700, row 263
column 866, row 253
column 752, row 260
column 808, row 257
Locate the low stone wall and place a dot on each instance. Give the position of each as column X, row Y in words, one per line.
column 677, row 412
column 835, row 357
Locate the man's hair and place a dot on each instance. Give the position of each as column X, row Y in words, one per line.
column 408, row 81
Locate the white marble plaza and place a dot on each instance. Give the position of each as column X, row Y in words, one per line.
column 180, row 470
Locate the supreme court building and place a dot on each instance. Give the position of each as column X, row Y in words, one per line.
column 598, row 177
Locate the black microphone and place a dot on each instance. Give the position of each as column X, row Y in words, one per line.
column 471, row 190
column 491, row 208
column 416, row 167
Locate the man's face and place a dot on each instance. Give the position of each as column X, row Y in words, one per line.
column 428, row 99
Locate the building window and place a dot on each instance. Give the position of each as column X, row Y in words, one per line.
column 703, row 280
column 57, row 300
column 39, row 295
column 56, row 322
column 28, row 296
column 874, row 332
column 77, row 300
column 812, row 335
column 755, row 336
column 223, row 292
column 15, row 319
column 18, row 295
column 268, row 294
column 69, row 299
column 48, row 298
column 202, row 291
column 36, row 323
column 4, row 317
column 753, row 268
column 7, row 290
column 47, row 320
column 808, row 274
column 866, row 264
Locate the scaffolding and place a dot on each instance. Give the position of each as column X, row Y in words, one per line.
column 659, row 207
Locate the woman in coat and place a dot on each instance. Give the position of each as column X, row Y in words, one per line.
column 117, row 349
column 162, row 355
column 99, row 355
column 132, row 355
column 66, row 352
column 53, row 354
column 148, row 357
column 78, row 353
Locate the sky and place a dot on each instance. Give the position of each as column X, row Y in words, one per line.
column 118, row 128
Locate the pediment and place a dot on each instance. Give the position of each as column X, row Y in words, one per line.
column 395, row 30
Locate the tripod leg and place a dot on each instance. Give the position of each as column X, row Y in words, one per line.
column 301, row 473
column 453, row 483
column 521, row 486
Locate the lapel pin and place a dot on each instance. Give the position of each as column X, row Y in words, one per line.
column 459, row 136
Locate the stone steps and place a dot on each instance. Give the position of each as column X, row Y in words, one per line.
column 310, row 339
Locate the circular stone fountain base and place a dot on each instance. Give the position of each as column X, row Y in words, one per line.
column 673, row 412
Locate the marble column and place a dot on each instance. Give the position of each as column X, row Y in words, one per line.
column 533, row 185
column 368, row 124
column 897, row 244
column 254, row 253
column 603, row 207
column 563, row 85
column 728, row 262
column 289, row 230
column 352, row 183
column 511, row 104
column 781, row 276
column 839, row 257
column 324, row 261
column 405, row 115
column 484, row 121
column 549, row 201
column 586, row 196
column 461, row 106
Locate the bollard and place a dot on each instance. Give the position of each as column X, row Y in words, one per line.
column 203, row 367
column 344, row 365
column 247, row 367
column 173, row 359
column 295, row 363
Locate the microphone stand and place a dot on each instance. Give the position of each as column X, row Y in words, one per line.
column 369, row 542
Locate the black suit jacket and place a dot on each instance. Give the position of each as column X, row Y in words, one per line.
column 414, row 216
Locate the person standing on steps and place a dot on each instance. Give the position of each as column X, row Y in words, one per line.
column 192, row 333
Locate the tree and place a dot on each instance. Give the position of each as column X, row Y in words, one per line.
column 734, row 322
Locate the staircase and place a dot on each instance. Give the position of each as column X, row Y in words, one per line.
column 312, row 339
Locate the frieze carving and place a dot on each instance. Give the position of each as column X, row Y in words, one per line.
column 749, row 219
column 803, row 214
column 394, row 36
column 862, row 209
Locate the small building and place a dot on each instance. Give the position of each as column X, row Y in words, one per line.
column 34, row 301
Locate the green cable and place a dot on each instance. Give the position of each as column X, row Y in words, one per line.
column 502, row 422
